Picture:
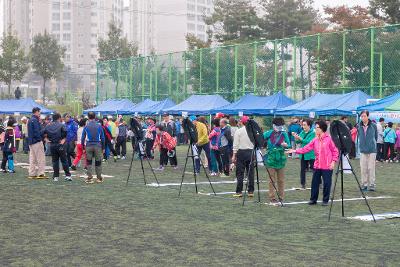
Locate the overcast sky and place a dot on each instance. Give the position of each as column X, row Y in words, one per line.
column 320, row 3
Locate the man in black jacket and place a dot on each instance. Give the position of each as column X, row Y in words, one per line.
column 225, row 142
column 55, row 133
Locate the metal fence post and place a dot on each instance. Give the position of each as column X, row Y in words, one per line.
column 201, row 71
column 97, row 83
column 255, row 68
column 372, row 43
column 143, row 76
column 185, row 74
column 294, row 66
column 275, row 65
column 318, row 59
column 217, row 70
column 156, row 79
column 169, row 73
column 131, row 79
column 236, row 71
column 344, row 61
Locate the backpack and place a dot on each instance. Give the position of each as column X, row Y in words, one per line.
column 255, row 133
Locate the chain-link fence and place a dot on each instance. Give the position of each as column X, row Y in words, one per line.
column 364, row 59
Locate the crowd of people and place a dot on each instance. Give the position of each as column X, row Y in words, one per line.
column 224, row 143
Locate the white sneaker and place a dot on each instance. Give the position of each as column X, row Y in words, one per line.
column 118, row 156
column 55, row 179
column 68, row 178
column 213, row 174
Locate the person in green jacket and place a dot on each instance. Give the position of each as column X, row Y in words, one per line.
column 275, row 158
column 307, row 159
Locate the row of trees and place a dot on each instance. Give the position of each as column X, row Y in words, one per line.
column 44, row 57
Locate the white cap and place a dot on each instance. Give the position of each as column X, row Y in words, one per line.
column 24, row 118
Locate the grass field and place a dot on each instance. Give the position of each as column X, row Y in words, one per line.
column 111, row 224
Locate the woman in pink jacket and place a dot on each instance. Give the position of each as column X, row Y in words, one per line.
column 326, row 155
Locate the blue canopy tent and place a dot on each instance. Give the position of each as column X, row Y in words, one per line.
column 198, row 105
column 159, row 107
column 145, row 104
column 326, row 105
column 381, row 104
column 22, row 106
column 113, row 107
column 257, row 105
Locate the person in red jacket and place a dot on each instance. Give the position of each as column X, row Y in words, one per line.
column 166, row 144
column 326, row 155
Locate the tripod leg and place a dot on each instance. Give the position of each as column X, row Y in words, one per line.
column 184, row 170
column 144, row 175
column 359, row 187
column 154, row 174
column 341, row 182
column 130, row 168
column 208, row 177
column 194, row 169
column 333, row 192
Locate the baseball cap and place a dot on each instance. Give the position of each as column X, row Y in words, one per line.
column 244, row 119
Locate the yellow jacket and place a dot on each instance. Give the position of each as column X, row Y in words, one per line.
column 202, row 133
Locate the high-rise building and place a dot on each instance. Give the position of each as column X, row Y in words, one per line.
column 76, row 25
column 161, row 26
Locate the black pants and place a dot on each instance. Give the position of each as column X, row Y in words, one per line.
column 243, row 166
column 121, row 143
column 386, row 147
column 58, row 153
column 8, row 156
column 149, row 147
column 70, row 149
column 303, row 168
column 225, row 157
column 379, row 153
column 164, row 158
column 316, row 181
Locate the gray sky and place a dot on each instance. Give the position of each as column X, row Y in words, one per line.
column 320, row 3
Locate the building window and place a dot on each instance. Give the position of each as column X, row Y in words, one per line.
column 56, row 5
column 200, row 28
column 67, row 15
column 191, row 27
column 191, row 7
column 56, row 16
column 66, row 26
column 55, row 26
column 191, row 17
column 66, row 37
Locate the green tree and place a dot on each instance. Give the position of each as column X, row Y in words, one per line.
column 114, row 48
column 285, row 18
column 46, row 57
column 234, row 21
column 13, row 62
column 386, row 10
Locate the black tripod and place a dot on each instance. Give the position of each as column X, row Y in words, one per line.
column 141, row 155
column 340, row 170
column 254, row 163
column 191, row 154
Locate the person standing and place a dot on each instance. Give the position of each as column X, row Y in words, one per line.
column 79, row 147
column 25, row 142
column 37, row 160
column 109, row 148
column 242, row 154
column 397, row 144
column 217, row 167
column 225, row 143
column 389, row 139
column 307, row 159
column 202, row 142
column 93, row 141
column 72, row 133
column 326, row 156
column 367, row 134
column 166, row 145
column 379, row 142
column 120, row 147
column 9, row 147
column 275, row 158
column 150, row 137
column 170, row 128
column 55, row 133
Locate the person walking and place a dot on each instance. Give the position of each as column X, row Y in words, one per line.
column 56, row 134
column 37, row 160
column 93, row 141
column 326, row 156
column 79, row 146
column 367, row 134
column 275, row 158
column 389, row 139
column 305, row 137
column 242, row 154
column 72, row 136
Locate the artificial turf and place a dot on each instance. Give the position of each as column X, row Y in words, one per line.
column 111, row 224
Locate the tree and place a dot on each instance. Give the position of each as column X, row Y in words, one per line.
column 195, row 43
column 285, row 18
column 46, row 57
column 234, row 21
column 113, row 49
column 13, row 62
column 386, row 10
